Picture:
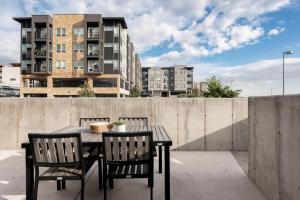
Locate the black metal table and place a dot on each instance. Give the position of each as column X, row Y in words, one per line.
column 160, row 139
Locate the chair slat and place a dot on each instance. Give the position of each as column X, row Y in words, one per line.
column 36, row 148
column 44, row 150
column 108, row 149
column 147, row 148
column 60, row 150
column 131, row 148
column 52, row 151
column 123, row 149
column 116, row 149
column 75, row 150
column 140, row 147
column 69, row 149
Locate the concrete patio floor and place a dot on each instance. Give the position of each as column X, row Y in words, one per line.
column 194, row 175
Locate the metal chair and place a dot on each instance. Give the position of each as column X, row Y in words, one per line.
column 87, row 121
column 128, row 155
column 135, row 121
column 62, row 154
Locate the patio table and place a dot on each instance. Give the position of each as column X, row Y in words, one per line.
column 160, row 139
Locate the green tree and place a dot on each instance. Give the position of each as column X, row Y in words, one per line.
column 135, row 92
column 85, row 91
column 216, row 89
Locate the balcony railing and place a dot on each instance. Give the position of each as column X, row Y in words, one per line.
column 41, row 33
column 93, row 52
column 40, row 53
column 40, row 68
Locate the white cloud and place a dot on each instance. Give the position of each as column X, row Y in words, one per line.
column 275, row 31
column 254, row 78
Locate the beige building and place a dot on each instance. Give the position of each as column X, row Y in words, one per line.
column 10, row 79
column 166, row 81
column 60, row 53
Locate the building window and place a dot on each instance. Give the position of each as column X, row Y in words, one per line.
column 57, row 48
column 60, row 64
column 58, row 32
column 63, row 48
column 79, row 48
column 104, row 82
column 63, row 32
column 78, row 64
column 68, row 82
column 78, row 31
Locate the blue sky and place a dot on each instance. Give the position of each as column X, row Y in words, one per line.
column 233, row 40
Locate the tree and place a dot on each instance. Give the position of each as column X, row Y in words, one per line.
column 216, row 89
column 85, row 91
column 135, row 92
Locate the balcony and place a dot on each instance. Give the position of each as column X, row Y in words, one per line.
column 41, row 34
column 40, row 53
column 41, row 68
column 93, row 33
column 92, row 53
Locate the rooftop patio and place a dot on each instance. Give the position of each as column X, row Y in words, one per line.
column 194, row 175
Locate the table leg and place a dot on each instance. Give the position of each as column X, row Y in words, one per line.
column 29, row 174
column 160, row 159
column 167, row 172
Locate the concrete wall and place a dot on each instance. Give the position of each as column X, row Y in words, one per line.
column 274, row 146
column 193, row 124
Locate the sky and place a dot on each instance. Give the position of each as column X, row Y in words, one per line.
column 237, row 41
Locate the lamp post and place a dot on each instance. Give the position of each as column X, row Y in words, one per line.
column 231, row 83
column 283, row 57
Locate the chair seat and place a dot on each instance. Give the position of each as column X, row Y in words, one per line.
column 54, row 172
column 129, row 171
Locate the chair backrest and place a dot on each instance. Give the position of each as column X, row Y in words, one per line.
column 87, row 121
column 59, row 149
column 135, row 121
column 128, row 146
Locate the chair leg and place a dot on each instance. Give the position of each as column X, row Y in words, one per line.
column 151, row 192
column 104, row 180
column 104, row 187
column 58, row 184
column 63, row 184
column 110, row 180
column 100, row 173
column 111, row 183
column 36, row 185
column 82, row 189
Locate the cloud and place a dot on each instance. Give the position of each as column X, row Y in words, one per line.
column 275, row 31
column 254, row 78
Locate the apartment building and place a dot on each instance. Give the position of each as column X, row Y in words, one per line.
column 61, row 52
column 10, row 80
column 166, row 81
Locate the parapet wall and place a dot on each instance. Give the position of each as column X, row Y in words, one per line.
column 193, row 124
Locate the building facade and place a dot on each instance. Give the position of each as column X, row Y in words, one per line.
column 60, row 53
column 166, row 81
column 10, row 80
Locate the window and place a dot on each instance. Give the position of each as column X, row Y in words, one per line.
column 63, row 48
column 60, row 64
column 104, row 82
column 79, row 31
column 78, row 64
column 68, row 82
column 63, row 31
column 79, row 48
column 58, row 32
column 57, row 48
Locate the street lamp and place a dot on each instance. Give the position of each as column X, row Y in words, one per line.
column 283, row 57
column 231, row 83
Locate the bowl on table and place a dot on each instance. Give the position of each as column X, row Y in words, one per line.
column 99, row 127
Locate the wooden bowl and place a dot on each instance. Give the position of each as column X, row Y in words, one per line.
column 99, row 127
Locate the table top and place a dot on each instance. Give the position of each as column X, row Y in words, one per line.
column 160, row 135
